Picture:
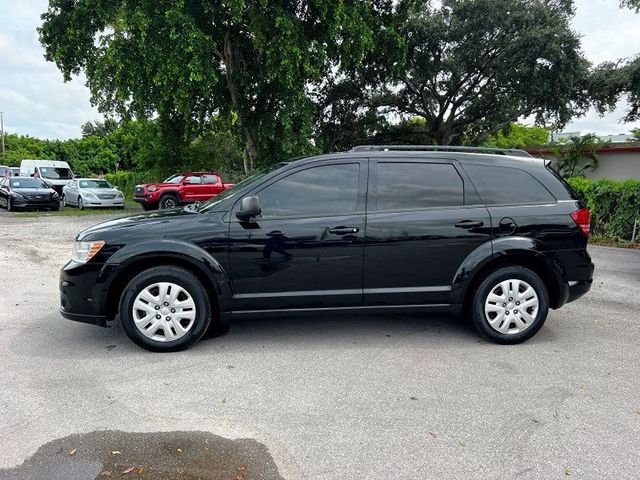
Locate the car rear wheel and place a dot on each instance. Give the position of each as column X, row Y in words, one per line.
column 165, row 309
column 510, row 305
column 169, row 201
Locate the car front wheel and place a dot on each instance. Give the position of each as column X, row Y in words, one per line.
column 169, row 201
column 510, row 305
column 165, row 309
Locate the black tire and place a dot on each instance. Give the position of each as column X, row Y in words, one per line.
column 9, row 206
column 146, row 207
column 186, row 280
column 64, row 201
column 80, row 204
column 479, row 319
column 55, row 208
column 169, row 201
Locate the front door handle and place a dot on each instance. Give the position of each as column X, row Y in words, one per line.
column 343, row 230
column 469, row 224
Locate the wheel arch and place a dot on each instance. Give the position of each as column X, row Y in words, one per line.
column 511, row 251
column 190, row 257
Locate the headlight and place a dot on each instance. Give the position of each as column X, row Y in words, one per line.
column 152, row 188
column 17, row 195
column 85, row 251
column 55, row 195
column 119, row 195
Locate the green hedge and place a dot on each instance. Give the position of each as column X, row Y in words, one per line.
column 126, row 180
column 614, row 205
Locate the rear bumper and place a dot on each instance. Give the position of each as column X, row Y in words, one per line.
column 99, row 320
column 578, row 289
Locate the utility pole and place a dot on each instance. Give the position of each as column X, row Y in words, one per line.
column 2, row 131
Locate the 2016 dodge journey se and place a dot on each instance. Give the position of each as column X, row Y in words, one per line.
column 495, row 235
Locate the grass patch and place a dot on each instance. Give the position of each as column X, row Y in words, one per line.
column 612, row 242
column 130, row 208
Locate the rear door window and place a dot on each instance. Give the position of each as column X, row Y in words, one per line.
column 507, row 185
column 416, row 185
column 210, row 179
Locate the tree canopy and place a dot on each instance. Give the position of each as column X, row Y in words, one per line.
column 187, row 60
column 476, row 66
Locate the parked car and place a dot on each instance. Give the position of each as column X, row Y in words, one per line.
column 14, row 171
column 180, row 189
column 90, row 193
column 54, row 172
column 500, row 237
column 27, row 193
column 5, row 171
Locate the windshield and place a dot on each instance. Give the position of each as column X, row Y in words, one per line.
column 56, row 173
column 211, row 204
column 174, row 179
column 95, row 184
column 28, row 183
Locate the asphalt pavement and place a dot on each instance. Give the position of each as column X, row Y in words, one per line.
column 329, row 397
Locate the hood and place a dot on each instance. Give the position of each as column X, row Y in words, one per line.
column 33, row 191
column 55, row 181
column 143, row 221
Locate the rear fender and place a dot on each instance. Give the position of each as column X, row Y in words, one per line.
column 524, row 251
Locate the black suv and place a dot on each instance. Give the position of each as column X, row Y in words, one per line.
column 498, row 236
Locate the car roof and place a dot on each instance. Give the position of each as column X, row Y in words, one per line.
column 462, row 157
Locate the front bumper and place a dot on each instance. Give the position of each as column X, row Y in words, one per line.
column 23, row 203
column 78, row 300
column 93, row 202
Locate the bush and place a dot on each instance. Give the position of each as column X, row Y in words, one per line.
column 614, row 205
column 127, row 180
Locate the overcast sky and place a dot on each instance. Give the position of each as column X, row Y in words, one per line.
column 37, row 102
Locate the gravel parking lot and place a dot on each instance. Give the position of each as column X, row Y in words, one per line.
column 378, row 397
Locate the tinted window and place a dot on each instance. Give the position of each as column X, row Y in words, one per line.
column 407, row 186
column 210, row 179
column 95, row 184
column 56, row 173
column 174, row 179
column 193, row 179
column 507, row 186
column 28, row 183
column 329, row 190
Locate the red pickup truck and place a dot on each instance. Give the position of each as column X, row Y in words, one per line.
column 181, row 188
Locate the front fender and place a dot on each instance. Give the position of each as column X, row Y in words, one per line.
column 169, row 249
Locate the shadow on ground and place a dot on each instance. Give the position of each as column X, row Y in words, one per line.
column 152, row 456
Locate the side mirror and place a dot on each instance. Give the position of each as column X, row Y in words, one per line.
column 249, row 208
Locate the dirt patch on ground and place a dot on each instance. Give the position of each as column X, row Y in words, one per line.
column 152, row 456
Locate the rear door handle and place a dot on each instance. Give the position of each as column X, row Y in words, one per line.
column 343, row 230
column 469, row 224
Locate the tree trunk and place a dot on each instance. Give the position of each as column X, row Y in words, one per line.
column 250, row 149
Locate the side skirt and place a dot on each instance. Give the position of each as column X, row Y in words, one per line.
column 454, row 309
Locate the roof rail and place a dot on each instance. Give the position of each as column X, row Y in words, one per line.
column 441, row 148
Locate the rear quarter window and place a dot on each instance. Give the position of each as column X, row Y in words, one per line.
column 499, row 185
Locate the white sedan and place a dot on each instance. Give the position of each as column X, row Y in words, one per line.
column 91, row 192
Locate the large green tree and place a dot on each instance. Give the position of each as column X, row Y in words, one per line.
column 184, row 61
column 614, row 79
column 475, row 66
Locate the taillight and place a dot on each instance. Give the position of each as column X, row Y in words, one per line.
column 582, row 218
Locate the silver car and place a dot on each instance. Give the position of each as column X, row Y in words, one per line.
column 91, row 192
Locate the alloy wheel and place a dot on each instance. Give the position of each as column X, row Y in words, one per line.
column 164, row 311
column 511, row 306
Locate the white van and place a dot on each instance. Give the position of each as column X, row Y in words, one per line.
column 54, row 172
